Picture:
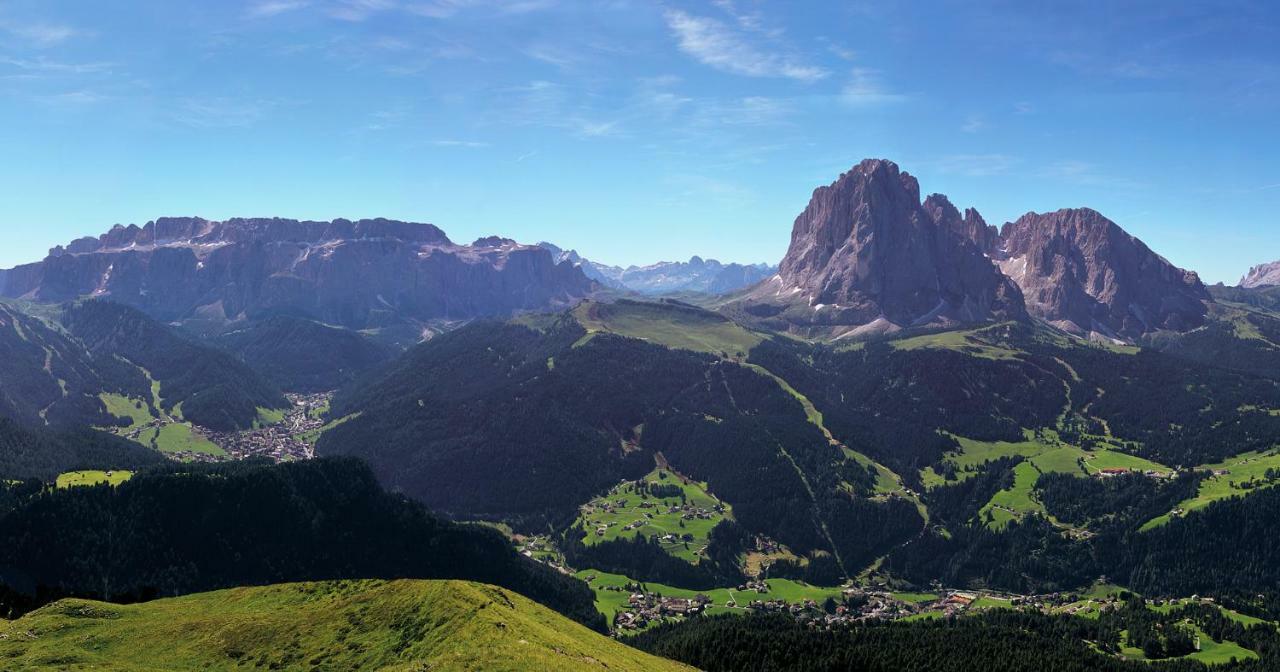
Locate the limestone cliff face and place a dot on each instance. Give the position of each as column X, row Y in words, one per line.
column 866, row 255
column 971, row 226
column 357, row 274
column 1081, row 272
column 1265, row 275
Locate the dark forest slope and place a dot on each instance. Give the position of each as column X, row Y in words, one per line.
column 186, row 529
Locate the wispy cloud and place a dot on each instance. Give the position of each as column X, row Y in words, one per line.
column 269, row 8
column 1087, row 174
column 975, row 165
column 750, row 21
column 361, row 10
column 973, row 123
column 1023, row 107
column 43, row 65
column 42, row 34
column 749, row 111
column 717, row 45
column 443, row 9
column 544, row 103
column 209, row 113
column 554, row 54
column 842, row 53
column 80, row 97
column 1112, row 65
column 468, row 144
column 865, row 90
column 698, row 188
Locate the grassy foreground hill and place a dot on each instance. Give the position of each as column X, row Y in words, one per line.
column 342, row 625
column 186, row 529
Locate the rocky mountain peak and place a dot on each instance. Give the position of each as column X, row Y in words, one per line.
column 1264, row 275
column 493, row 241
column 1083, row 273
column 867, row 255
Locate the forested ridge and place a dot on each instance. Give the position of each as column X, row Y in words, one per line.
column 524, row 422
column 27, row 452
column 182, row 529
column 898, row 403
column 301, row 355
column 47, row 376
column 512, row 422
column 997, row 641
column 214, row 388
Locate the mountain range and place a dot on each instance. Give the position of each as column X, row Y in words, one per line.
column 707, row 276
column 916, row 414
column 867, row 256
column 359, row 275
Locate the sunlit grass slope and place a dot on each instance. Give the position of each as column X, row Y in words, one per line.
column 346, row 625
column 671, row 324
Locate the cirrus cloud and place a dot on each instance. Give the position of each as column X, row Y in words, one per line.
column 715, row 44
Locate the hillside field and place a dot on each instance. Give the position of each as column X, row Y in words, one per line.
column 72, row 479
column 337, row 626
column 695, row 514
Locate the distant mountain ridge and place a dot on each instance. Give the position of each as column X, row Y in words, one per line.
column 1263, row 275
column 707, row 276
column 357, row 274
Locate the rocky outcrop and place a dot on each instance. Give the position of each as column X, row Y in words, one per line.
column 707, row 276
column 971, row 226
column 867, row 256
column 1266, row 275
column 1084, row 274
column 358, row 274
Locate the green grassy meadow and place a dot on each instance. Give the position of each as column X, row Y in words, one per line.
column 627, row 508
column 611, row 602
column 1211, row 652
column 1243, row 469
column 962, row 341
column 314, row 435
column 267, row 417
column 329, row 626
column 1044, row 453
column 181, row 437
column 1015, row 501
column 175, row 436
column 137, row 412
column 672, row 326
column 73, row 479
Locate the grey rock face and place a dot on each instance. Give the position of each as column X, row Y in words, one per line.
column 1265, row 275
column 359, row 274
column 1081, row 272
column 866, row 255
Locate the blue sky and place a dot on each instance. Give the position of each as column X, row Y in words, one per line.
column 636, row 131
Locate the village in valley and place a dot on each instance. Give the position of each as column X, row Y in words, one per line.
column 678, row 513
column 292, row 437
column 637, row 606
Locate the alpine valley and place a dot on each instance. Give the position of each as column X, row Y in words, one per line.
column 918, row 442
